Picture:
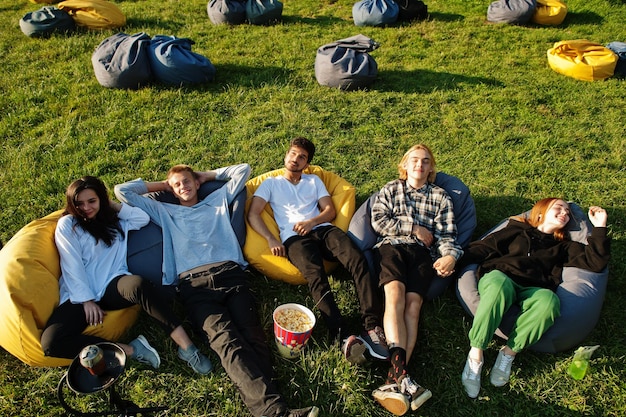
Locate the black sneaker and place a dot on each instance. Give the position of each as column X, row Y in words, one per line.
column 303, row 412
column 417, row 394
column 354, row 350
column 376, row 343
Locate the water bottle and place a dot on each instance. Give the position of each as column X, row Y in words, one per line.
column 578, row 368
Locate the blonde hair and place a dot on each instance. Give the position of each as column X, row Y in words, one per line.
column 419, row 146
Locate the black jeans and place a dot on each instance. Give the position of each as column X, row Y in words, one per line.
column 226, row 311
column 330, row 243
column 62, row 337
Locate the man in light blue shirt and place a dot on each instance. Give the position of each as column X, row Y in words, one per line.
column 202, row 256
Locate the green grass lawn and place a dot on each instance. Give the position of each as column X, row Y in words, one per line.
column 481, row 95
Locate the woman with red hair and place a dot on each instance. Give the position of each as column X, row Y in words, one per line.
column 522, row 264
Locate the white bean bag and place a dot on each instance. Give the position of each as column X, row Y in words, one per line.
column 581, row 294
column 364, row 236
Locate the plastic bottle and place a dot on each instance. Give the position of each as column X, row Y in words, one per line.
column 578, row 368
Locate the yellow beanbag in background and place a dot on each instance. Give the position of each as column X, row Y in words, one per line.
column 549, row 12
column 582, row 59
column 257, row 251
column 94, row 14
column 29, row 292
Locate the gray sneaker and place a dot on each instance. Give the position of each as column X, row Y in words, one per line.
column 354, row 350
column 196, row 360
column 303, row 412
column 501, row 371
column 144, row 353
column 417, row 394
column 392, row 400
column 471, row 377
column 376, row 343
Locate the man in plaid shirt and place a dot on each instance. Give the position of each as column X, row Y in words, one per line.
column 415, row 221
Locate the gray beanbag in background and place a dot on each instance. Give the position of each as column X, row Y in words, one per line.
column 45, row 21
column 263, row 12
column 231, row 12
column 581, row 294
column 174, row 63
column 511, row 11
column 346, row 64
column 375, row 12
column 122, row 61
column 620, row 50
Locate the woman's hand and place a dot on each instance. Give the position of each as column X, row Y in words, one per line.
column 597, row 216
column 93, row 313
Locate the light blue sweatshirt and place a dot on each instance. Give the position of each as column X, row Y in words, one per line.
column 197, row 235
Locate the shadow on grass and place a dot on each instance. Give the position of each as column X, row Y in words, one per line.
column 583, row 18
column 424, row 81
column 445, row 17
column 491, row 210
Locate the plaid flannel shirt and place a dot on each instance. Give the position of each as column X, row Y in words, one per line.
column 398, row 207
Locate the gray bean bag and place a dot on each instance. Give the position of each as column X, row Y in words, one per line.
column 620, row 50
column 145, row 246
column 173, row 62
column 231, row 12
column 364, row 236
column 46, row 21
column 263, row 12
column 122, row 61
column 581, row 294
column 346, row 63
column 511, row 11
column 375, row 12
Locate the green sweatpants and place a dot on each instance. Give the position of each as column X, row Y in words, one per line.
column 539, row 308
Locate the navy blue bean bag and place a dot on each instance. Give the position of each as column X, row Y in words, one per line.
column 173, row 62
column 122, row 61
column 375, row 12
column 581, row 294
column 263, row 12
column 145, row 246
column 230, row 12
column 411, row 10
column 511, row 11
column 346, row 63
column 46, row 21
column 364, row 236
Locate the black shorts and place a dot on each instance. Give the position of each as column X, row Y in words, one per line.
column 409, row 264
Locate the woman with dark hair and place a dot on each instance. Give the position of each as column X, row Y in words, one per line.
column 91, row 238
column 522, row 264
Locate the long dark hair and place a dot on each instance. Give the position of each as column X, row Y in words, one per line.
column 106, row 225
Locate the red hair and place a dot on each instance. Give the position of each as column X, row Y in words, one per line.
column 538, row 212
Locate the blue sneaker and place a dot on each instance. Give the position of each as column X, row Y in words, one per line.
column 196, row 360
column 144, row 353
column 376, row 343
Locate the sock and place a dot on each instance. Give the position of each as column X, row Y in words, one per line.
column 397, row 356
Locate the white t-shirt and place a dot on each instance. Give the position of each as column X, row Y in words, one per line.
column 292, row 203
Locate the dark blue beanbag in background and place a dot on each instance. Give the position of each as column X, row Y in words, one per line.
column 174, row 63
column 122, row 61
column 346, row 64
column 45, row 21
column 231, row 12
column 511, row 11
column 263, row 12
column 375, row 12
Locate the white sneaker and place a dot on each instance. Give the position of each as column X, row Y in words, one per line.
column 471, row 377
column 390, row 397
column 501, row 371
column 417, row 394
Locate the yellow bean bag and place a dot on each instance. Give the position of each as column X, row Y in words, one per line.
column 94, row 14
column 549, row 12
column 29, row 292
column 43, row 1
column 257, row 251
column 582, row 59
